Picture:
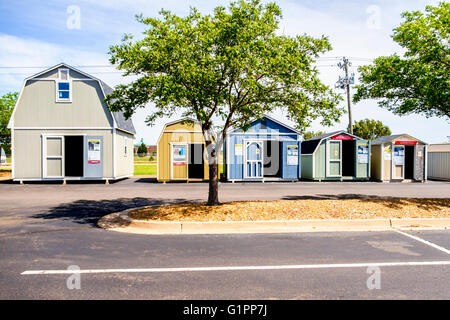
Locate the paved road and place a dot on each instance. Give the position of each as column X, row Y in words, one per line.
column 50, row 227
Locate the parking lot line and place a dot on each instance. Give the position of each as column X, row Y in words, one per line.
column 431, row 244
column 241, row 268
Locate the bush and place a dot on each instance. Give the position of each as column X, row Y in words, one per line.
column 142, row 150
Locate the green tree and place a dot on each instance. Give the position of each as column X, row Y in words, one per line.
column 226, row 68
column 7, row 103
column 311, row 134
column 370, row 129
column 142, row 149
column 420, row 81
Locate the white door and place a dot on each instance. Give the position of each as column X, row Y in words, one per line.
column 253, row 168
column 53, row 156
column 334, row 158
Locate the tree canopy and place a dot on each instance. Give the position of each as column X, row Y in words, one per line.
column 226, row 68
column 311, row 134
column 370, row 129
column 418, row 82
column 7, row 103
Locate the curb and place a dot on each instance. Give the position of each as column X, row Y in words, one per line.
column 121, row 222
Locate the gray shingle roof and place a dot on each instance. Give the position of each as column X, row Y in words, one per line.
column 386, row 139
column 122, row 123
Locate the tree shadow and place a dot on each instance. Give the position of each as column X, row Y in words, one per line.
column 89, row 211
column 334, row 197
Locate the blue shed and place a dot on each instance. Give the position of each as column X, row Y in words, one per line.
column 268, row 151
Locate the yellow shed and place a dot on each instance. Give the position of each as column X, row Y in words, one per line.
column 181, row 152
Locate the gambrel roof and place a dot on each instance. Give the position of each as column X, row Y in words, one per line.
column 120, row 122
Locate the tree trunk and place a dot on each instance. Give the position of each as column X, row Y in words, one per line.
column 213, row 195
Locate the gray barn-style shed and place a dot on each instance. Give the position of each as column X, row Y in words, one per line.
column 61, row 129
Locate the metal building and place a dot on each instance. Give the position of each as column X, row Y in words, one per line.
column 336, row 156
column 399, row 157
column 268, row 150
column 438, row 167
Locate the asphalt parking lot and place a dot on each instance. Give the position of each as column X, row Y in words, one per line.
column 45, row 228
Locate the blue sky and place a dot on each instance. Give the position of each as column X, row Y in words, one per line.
column 35, row 34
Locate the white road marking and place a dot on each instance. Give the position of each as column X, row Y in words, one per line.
column 242, row 268
column 431, row 244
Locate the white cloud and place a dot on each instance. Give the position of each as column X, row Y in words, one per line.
column 343, row 22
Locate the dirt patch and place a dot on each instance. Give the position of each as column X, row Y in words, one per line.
column 299, row 210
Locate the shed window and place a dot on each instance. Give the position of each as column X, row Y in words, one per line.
column 125, row 143
column 64, row 74
column 63, row 86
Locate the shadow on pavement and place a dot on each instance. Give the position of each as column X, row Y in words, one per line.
column 89, row 212
column 335, row 197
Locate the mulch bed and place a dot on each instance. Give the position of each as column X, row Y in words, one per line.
column 299, row 210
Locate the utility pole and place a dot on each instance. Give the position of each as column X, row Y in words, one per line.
column 344, row 83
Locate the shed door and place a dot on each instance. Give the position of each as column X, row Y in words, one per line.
column 419, row 165
column 93, row 160
column 398, row 162
column 53, row 156
column 334, row 158
column 179, row 161
column 362, row 158
column 253, row 168
column 291, row 157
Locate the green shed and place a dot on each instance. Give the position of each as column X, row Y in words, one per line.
column 336, row 156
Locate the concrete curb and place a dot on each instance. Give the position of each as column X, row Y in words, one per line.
column 121, row 222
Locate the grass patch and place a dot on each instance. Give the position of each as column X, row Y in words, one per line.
column 299, row 210
column 145, row 169
column 144, row 159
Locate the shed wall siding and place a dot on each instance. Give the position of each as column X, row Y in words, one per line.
column 125, row 163
column 28, row 151
column 307, row 166
column 38, row 107
column 166, row 138
column 320, row 159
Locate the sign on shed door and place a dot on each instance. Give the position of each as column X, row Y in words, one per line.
column 93, row 157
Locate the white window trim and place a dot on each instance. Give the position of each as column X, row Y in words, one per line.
column 46, row 157
column 328, row 148
column 125, row 144
column 58, row 81
column 59, row 74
